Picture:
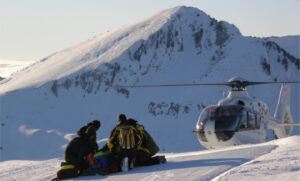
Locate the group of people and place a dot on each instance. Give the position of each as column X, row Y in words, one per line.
column 129, row 145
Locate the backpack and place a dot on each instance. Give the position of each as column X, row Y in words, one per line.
column 128, row 137
column 149, row 143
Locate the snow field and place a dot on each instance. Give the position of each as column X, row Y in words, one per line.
column 201, row 165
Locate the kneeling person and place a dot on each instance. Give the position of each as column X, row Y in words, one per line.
column 77, row 151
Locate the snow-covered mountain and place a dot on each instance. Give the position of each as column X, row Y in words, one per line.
column 42, row 105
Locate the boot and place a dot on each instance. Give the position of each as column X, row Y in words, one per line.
column 124, row 165
column 162, row 159
column 131, row 163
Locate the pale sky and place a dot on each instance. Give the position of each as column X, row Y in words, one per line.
column 32, row 29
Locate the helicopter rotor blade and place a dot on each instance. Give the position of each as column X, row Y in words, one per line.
column 170, row 85
column 247, row 83
column 230, row 84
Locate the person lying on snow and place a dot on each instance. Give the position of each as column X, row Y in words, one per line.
column 133, row 145
column 77, row 151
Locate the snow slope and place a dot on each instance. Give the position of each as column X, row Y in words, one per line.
column 282, row 163
column 42, row 105
column 275, row 160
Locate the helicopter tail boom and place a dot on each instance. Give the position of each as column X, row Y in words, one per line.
column 283, row 117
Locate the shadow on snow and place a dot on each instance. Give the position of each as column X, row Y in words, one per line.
column 232, row 162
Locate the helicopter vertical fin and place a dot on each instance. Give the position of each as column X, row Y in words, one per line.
column 283, row 112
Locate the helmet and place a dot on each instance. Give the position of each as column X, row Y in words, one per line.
column 96, row 124
column 122, row 118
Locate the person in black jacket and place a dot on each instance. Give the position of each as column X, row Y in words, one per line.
column 82, row 131
column 86, row 143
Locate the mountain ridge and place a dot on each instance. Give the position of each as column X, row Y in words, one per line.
column 97, row 53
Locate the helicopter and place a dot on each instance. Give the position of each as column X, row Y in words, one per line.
column 239, row 119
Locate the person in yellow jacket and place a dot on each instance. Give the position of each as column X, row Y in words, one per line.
column 130, row 139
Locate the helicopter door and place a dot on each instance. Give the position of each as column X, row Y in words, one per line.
column 249, row 128
column 249, row 120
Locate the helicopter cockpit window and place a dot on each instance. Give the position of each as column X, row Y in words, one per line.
column 201, row 124
column 226, row 118
column 226, row 121
column 241, row 103
column 200, row 131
